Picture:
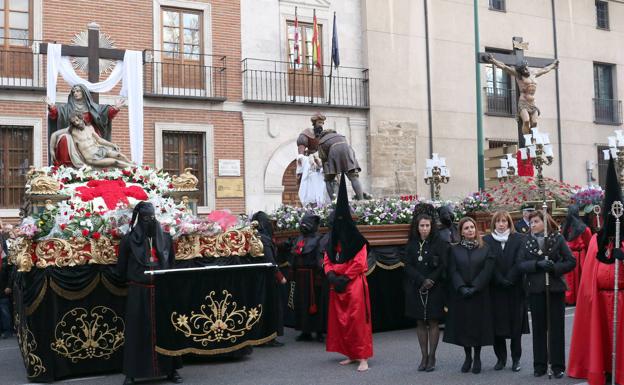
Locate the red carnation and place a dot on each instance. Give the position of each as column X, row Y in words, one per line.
column 96, row 235
column 87, row 214
column 170, row 185
column 63, row 226
column 85, row 232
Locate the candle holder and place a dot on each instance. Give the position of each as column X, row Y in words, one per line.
column 540, row 151
column 507, row 172
column 616, row 151
column 436, row 173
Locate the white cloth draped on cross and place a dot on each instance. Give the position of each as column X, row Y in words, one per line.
column 130, row 71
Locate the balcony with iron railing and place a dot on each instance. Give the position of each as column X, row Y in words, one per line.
column 500, row 101
column 280, row 82
column 184, row 75
column 22, row 66
column 607, row 111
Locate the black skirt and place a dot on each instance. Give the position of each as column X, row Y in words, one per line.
column 469, row 322
column 426, row 306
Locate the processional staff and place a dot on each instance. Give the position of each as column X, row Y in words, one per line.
column 617, row 209
column 547, row 282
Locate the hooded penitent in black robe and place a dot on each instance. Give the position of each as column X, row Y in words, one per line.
column 448, row 230
column 307, row 262
column 135, row 257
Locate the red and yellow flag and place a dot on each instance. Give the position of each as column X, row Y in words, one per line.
column 316, row 45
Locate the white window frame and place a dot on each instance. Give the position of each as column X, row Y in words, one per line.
column 209, row 177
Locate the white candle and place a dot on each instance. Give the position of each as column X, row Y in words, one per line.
column 499, row 173
column 539, row 139
column 606, row 154
column 614, row 152
column 429, row 164
column 618, row 134
column 546, row 138
column 523, row 153
column 612, row 142
column 442, row 162
column 503, row 163
column 535, row 131
column 513, row 163
column 548, row 150
column 527, row 139
column 532, row 151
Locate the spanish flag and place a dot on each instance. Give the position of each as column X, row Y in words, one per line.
column 316, row 45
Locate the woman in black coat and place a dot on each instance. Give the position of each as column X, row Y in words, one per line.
column 470, row 309
column 533, row 262
column 508, row 298
column 424, row 261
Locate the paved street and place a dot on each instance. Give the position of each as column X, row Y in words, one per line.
column 396, row 358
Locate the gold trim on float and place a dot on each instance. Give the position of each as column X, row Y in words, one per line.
column 210, row 352
column 123, row 292
column 33, row 306
column 75, row 295
column 385, row 267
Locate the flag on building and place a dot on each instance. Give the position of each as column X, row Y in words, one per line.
column 316, row 45
column 335, row 53
column 296, row 45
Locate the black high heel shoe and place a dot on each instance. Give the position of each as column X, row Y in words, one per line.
column 467, row 364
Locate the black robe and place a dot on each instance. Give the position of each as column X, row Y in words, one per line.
column 470, row 319
column 509, row 302
column 430, row 266
column 310, row 296
column 140, row 357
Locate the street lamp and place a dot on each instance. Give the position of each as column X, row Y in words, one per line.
column 436, row 173
column 616, row 151
column 508, row 168
column 541, row 154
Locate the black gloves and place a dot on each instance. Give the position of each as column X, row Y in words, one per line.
column 341, row 286
column 618, row 254
column 546, row 265
column 467, row 291
column 338, row 281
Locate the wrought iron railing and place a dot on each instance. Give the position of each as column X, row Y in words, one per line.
column 176, row 74
column 22, row 66
column 278, row 82
column 500, row 101
column 607, row 111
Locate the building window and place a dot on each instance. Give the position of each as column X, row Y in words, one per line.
column 16, row 156
column 304, row 76
column 499, row 90
column 182, row 49
column 603, row 164
column 497, row 5
column 602, row 14
column 15, row 17
column 607, row 110
column 182, row 150
column 501, row 143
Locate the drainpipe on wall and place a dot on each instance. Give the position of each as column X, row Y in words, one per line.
column 480, row 162
column 430, row 119
column 554, row 25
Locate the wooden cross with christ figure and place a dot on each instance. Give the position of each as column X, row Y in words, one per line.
column 510, row 64
column 93, row 52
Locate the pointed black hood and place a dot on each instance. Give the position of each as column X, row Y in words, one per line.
column 613, row 193
column 344, row 231
column 573, row 226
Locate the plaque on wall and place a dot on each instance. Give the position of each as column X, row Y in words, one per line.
column 229, row 167
column 230, row 188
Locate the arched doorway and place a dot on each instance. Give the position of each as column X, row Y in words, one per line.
column 290, row 195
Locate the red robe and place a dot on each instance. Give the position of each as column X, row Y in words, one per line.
column 578, row 246
column 349, row 326
column 590, row 350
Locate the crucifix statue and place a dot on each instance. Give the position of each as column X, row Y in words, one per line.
column 80, row 99
column 518, row 66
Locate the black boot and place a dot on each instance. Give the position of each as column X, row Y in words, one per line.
column 476, row 363
column 468, row 361
column 175, row 377
column 500, row 364
column 128, row 381
column 515, row 366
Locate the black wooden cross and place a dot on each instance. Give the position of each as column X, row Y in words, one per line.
column 517, row 56
column 515, row 59
column 92, row 51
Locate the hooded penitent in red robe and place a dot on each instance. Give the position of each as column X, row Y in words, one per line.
column 578, row 246
column 590, row 350
column 349, row 327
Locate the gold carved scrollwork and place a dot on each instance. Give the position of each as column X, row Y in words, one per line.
column 103, row 251
column 230, row 243
column 28, row 345
column 186, row 181
column 217, row 320
column 53, row 251
column 83, row 334
column 20, row 253
column 256, row 248
column 41, row 184
column 188, row 247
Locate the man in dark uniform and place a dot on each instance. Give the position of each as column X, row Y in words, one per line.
column 522, row 225
column 337, row 157
column 146, row 247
